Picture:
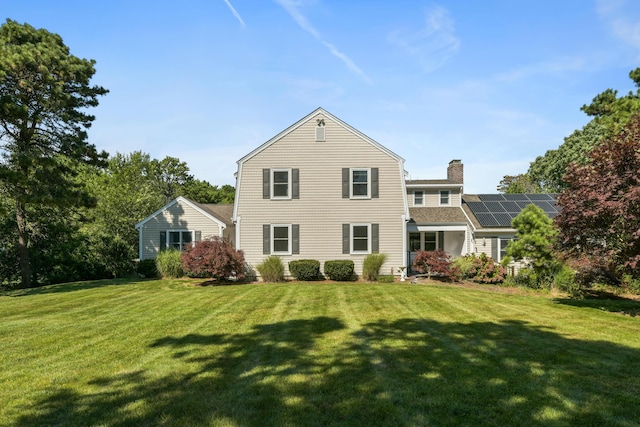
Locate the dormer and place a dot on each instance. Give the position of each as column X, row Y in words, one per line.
column 438, row 192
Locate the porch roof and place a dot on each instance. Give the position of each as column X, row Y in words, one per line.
column 437, row 215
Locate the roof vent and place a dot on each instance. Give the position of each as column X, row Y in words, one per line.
column 320, row 131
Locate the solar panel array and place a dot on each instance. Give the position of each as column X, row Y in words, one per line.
column 497, row 210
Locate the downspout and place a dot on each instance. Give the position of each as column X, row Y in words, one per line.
column 140, row 243
column 237, row 223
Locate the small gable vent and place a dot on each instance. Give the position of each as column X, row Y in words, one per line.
column 320, row 130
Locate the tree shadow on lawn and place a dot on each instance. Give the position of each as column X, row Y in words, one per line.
column 403, row 372
column 620, row 305
column 67, row 287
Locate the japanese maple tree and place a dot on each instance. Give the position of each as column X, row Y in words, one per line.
column 600, row 210
column 435, row 262
column 215, row 258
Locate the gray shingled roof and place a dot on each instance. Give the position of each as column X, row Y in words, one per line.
column 221, row 212
column 439, row 215
column 431, row 181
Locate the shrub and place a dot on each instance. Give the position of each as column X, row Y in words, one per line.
column 529, row 278
column 215, row 258
column 271, row 269
column 565, row 281
column 591, row 270
column 305, row 269
column 487, row 270
column 147, row 268
column 339, row 270
column 386, row 279
column 372, row 265
column 435, row 262
column 466, row 266
column 169, row 264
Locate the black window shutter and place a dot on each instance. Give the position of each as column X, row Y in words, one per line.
column 295, row 238
column 374, row 183
column 441, row 240
column 266, row 239
column 346, row 247
column 163, row 240
column 295, row 183
column 266, row 186
column 345, row 183
column 375, row 238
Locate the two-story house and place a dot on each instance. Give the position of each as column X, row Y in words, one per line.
column 321, row 190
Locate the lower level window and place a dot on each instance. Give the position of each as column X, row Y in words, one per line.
column 281, row 240
column 179, row 239
column 430, row 243
column 360, row 241
column 504, row 242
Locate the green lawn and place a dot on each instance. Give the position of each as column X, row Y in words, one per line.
column 171, row 353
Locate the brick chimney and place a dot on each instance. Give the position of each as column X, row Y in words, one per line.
column 455, row 171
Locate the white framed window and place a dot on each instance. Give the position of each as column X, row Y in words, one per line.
column 504, row 242
column 418, row 198
column 445, row 197
column 430, row 241
column 360, row 238
column 360, row 183
column 281, row 239
column 178, row 239
column 280, row 183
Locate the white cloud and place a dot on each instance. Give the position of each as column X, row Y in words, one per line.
column 235, row 13
column 623, row 23
column 293, row 8
column 434, row 43
column 559, row 65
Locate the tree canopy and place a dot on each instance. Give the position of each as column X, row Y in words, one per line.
column 600, row 210
column 45, row 93
column 534, row 243
column 609, row 113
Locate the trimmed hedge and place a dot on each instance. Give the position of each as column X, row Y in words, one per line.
column 305, row 269
column 340, row 269
column 147, row 268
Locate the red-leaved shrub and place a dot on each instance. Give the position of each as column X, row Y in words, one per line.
column 215, row 258
column 436, row 263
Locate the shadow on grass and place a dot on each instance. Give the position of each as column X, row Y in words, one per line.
column 67, row 287
column 613, row 304
column 404, row 372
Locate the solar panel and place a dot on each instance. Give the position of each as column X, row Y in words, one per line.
column 546, row 206
column 504, row 219
column 542, row 197
column 494, row 207
column 491, row 197
column 478, row 207
column 498, row 210
column 516, row 197
column 511, row 207
column 486, row 220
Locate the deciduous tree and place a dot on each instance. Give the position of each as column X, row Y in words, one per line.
column 215, row 258
column 44, row 96
column 600, row 210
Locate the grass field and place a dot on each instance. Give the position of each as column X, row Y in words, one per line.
column 171, row 353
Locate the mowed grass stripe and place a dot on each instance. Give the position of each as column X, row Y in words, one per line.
column 173, row 353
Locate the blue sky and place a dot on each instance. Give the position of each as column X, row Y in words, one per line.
column 493, row 83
